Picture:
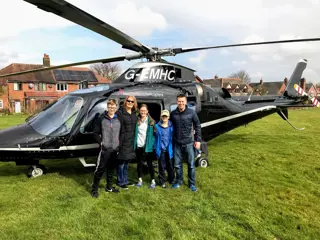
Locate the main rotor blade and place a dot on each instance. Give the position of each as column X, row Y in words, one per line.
column 72, row 13
column 104, row 60
column 184, row 50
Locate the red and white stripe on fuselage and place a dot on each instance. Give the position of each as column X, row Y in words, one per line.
column 314, row 101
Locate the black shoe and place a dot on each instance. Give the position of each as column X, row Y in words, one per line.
column 115, row 190
column 125, row 186
column 94, row 194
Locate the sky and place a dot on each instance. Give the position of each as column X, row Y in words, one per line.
column 27, row 33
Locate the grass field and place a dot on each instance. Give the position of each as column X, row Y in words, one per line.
column 263, row 183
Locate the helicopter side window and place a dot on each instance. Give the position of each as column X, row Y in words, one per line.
column 87, row 125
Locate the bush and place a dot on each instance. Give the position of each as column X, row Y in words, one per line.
column 5, row 111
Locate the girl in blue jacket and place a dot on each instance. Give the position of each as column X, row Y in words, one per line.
column 163, row 148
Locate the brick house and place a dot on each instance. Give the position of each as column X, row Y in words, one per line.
column 32, row 91
column 277, row 88
column 235, row 86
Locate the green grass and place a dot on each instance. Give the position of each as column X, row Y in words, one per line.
column 263, row 183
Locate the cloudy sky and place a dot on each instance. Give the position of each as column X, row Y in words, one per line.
column 27, row 33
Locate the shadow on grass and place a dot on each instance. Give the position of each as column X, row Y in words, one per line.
column 73, row 169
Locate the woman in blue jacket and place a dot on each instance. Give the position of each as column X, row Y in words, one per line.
column 163, row 148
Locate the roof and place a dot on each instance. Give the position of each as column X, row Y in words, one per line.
column 272, row 88
column 224, row 82
column 213, row 82
column 43, row 76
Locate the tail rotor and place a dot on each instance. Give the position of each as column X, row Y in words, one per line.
column 301, row 92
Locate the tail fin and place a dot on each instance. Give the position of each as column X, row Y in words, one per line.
column 295, row 79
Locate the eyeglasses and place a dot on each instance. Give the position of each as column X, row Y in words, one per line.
column 112, row 107
column 129, row 101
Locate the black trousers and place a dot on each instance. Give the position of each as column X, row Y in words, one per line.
column 142, row 156
column 107, row 162
column 165, row 163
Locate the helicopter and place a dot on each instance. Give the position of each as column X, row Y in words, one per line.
column 64, row 128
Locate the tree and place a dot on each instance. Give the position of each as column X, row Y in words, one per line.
column 242, row 74
column 107, row 70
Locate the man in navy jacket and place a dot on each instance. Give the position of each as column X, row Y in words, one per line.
column 184, row 121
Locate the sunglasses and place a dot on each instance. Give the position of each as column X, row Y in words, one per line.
column 129, row 101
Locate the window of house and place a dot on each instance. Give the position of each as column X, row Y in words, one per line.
column 1, row 103
column 17, row 86
column 83, row 85
column 62, row 87
column 40, row 87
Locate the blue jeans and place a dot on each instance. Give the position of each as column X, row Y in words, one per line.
column 122, row 172
column 186, row 151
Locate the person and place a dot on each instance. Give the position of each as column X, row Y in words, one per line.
column 184, row 120
column 163, row 148
column 143, row 144
column 128, row 119
column 108, row 126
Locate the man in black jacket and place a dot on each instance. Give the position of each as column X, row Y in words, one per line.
column 184, row 121
column 108, row 127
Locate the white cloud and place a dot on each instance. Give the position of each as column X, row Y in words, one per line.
column 193, row 22
column 225, row 52
column 239, row 63
column 199, row 58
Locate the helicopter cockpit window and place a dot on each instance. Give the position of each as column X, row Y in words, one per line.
column 58, row 119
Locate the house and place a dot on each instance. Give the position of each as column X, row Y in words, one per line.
column 269, row 88
column 277, row 88
column 32, row 91
column 235, row 86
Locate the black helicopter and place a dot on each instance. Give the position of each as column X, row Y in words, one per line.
column 63, row 129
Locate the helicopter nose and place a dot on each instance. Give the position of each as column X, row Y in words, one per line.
column 18, row 135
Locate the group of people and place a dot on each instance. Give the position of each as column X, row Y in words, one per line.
column 130, row 133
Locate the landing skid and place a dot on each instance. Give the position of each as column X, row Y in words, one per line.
column 285, row 118
column 83, row 161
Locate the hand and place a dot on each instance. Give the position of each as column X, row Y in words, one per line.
column 197, row 145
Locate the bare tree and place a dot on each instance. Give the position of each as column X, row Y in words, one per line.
column 107, row 70
column 242, row 74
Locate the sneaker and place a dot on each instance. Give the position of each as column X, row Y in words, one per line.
column 125, row 186
column 139, row 184
column 163, row 185
column 94, row 194
column 175, row 185
column 193, row 188
column 113, row 189
column 152, row 185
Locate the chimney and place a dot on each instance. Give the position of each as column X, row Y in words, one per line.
column 46, row 60
column 285, row 81
column 261, row 81
column 303, row 83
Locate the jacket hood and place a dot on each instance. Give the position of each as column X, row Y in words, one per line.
column 169, row 124
column 108, row 117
